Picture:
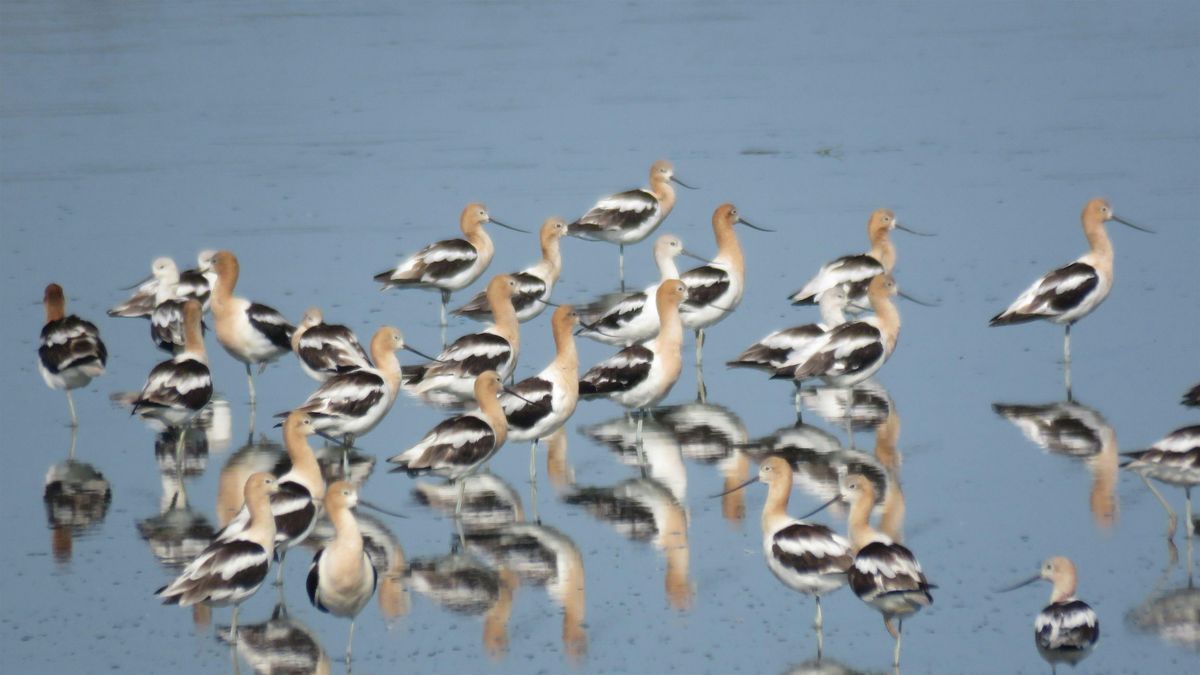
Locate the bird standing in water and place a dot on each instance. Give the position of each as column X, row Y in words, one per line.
column 70, row 351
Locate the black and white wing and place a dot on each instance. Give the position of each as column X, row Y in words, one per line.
column 294, row 511
column 224, row 571
column 193, row 285
column 139, row 303
column 272, row 324
column 854, row 271
column 1191, row 398
column 72, row 342
column 617, row 213
column 611, row 313
column 436, row 262
column 180, row 383
column 460, row 441
column 530, row 289
column 477, row 307
column 1067, row 626
column 313, row 582
column 705, row 285
column 469, row 356
column 810, row 548
column 1174, row 459
column 349, row 394
column 845, row 350
column 888, row 575
column 623, row 371
column 779, row 349
column 331, row 348
column 166, row 326
column 292, row 507
column 1056, row 293
column 532, row 402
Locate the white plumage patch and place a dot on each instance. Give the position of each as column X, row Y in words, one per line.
column 338, row 392
column 448, row 251
column 845, row 346
column 266, row 315
column 458, row 437
column 1070, row 620
column 629, row 305
column 468, row 348
column 230, row 566
column 634, row 201
column 1180, row 441
column 844, row 270
column 891, row 566
column 622, row 360
column 820, row 546
column 705, row 276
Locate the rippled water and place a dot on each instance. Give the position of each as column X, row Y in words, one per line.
column 320, row 141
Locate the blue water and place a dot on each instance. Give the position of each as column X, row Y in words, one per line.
column 322, row 141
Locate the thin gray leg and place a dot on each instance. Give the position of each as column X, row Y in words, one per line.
column 621, row 265
column 71, row 407
column 250, row 382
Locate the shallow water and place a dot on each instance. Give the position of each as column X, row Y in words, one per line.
column 320, row 142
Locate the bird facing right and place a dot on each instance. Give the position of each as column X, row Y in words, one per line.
column 1070, row 293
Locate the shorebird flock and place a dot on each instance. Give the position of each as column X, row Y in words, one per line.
column 856, row 334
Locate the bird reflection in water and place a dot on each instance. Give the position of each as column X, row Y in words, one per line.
column 663, row 455
column 488, row 503
column 462, row 583
column 558, row 466
column 544, row 556
column 280, row 645
column 709, row 433
column 819, row 461
column 862, row 406
column 650, row 507
column 253, row 457
column 493, row 528
column 822, row 667
column 77, row 496
column 1173, row 614
column 178, row 533
column 1074, row 430
column 342, row 463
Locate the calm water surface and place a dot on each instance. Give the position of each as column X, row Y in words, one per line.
column 321, row 141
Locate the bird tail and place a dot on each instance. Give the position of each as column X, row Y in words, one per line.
column 800, row 297
column 475, row 307
column 412, row 374
column 588, row 389
column 1008, row 319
